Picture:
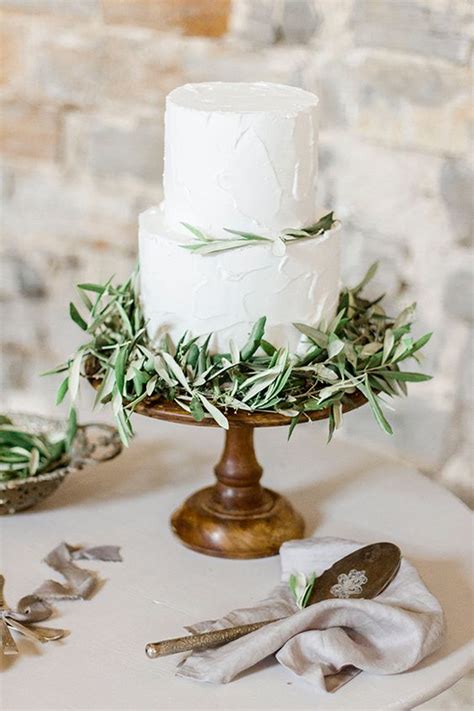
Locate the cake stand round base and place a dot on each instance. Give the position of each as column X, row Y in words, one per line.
column 249, row 535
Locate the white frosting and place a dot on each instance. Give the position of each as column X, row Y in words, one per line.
column 240, row 155
column 225, row 293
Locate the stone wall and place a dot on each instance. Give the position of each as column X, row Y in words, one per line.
column 83, row 84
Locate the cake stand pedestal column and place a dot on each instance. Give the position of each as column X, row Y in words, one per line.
column 237, row 517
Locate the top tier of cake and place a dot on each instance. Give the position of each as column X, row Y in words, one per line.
column 242, row 156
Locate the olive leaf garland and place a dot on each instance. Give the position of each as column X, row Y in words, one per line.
column 205, row 244
column 360, row 349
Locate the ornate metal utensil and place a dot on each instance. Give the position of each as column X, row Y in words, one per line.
column 37, row 634
column 8, row 643
column 362, row 574
column 8, row 623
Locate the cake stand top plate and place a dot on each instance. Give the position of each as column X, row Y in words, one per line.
column 170, row 411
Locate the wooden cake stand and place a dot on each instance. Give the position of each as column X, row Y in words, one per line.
column 237, row 517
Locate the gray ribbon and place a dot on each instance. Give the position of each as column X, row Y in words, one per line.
column 80, row 583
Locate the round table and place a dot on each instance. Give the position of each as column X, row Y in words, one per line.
column 160, row 586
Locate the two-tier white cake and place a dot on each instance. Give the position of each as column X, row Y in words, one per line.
column 239, row 156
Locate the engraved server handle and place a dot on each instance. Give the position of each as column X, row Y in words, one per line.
column 194, row 642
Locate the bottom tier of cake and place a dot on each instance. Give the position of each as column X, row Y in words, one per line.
column 227, row 292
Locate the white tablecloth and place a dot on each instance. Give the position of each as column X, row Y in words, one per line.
column 341, row 489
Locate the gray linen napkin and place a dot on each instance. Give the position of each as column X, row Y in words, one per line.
column 386, row 635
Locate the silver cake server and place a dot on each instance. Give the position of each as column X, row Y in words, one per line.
column 362, row 574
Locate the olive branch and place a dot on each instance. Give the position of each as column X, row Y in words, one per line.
column 361, row 349
column 23, row 454
column 205, row 244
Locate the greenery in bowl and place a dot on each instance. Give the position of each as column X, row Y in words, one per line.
column 24, row 454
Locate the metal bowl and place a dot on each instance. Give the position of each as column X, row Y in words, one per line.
column 94, row 443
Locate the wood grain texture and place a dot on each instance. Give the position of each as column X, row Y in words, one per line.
column 237, row 517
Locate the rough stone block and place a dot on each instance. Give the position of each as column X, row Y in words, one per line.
column 421, row 82
column 391, row 199
column 207, row 18
column 362, row 250
column 459, row 293
column 414, row 104
column 78, row 9
column 113, row 147
column 299, row 21
column 38, row 333
column 138, row 68
column 7, row 279
column 255, row 21
column 29, row 131
column 28, row 275
column 265, row 22
column 396, row 100
column 425, row 28
column 16, row 363
column 334, row 85
column 457, row 180
column 228, row 63
column 67, row 66
column 6, row 184
column 384, row 191
column 56, row 211
column 10, row 54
